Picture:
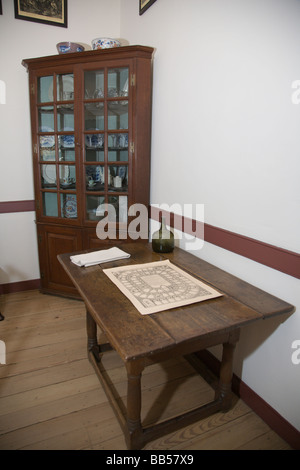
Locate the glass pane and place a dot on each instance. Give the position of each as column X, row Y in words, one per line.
column 94, row 84
column 45, row 89
column 95, row 177
column 118, row 147
column 47, row 147
column 67, row 177
column 94, row 141
column 120, row 205
column 94, row 211
column 50, row 204
column 66, row 155
column 47, row 142
column 46, row 119
column 65, row 117
column 117, row 115
column 94, row 116
column 94, row 155
column 66, row 141
column 48, row 176
column 118, row 82
column 47, row 155
column 68, row 206
column 65, row 87
column 94, row 147
column 117, row 178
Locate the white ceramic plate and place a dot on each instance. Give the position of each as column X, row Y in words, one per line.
column 49, row 173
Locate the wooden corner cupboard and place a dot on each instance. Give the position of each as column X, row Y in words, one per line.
column 91, row 130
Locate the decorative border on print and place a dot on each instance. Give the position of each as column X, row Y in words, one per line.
column 50, row 12
column 144, row 5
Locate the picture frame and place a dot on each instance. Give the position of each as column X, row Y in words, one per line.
column 144, row 5
column 1, row 7
column 50, row 12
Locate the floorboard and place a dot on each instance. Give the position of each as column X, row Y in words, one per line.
column 51, row 398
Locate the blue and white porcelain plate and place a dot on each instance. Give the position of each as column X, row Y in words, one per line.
column 68, row 141
column 49, row 173
column 47, row 141
column 71, row 206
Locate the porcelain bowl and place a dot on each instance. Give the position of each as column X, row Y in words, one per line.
column 105, row 43
column 66, row 47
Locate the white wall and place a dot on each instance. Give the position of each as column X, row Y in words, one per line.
column 18, row 247
column 21, row 40
column 224, row 126
column 226, row 135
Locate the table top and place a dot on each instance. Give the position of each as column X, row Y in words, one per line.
column 135, row 336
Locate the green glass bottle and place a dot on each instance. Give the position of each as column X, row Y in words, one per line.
column 163, row 239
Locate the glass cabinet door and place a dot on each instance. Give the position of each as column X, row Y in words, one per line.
column 106, row 136
column 56, row 145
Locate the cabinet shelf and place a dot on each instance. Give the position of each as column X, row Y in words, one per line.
column 63, row 108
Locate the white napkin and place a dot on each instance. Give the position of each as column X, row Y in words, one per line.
column 97, row 257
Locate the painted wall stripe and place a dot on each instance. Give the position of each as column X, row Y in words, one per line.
column 272, row 256
column 17, row 206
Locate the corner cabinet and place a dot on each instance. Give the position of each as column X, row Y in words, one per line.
column 91, row 130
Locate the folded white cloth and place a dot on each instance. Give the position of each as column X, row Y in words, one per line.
column 97, row 257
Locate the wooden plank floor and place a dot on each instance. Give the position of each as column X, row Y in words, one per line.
column 52, row 399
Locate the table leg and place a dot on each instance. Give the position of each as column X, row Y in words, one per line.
column 223, row 392
column 91, row 328
column 134, row 403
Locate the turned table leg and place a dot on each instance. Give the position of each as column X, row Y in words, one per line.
column 91, row 329
column 134, row 403
column 223, row 392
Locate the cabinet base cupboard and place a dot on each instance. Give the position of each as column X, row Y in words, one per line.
column 91, row 132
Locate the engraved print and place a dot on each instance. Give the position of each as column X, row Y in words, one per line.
column 159, row 286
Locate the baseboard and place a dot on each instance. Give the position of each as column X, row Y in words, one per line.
column 11, row 287
column 270, row 416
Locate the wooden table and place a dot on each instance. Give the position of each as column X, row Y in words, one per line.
column 141, row 340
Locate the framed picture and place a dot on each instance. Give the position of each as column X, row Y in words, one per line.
column 145, row 4
column 53, row 12
column 0, row 7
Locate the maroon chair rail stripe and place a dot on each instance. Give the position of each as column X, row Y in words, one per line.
column 17, row 206
column 272, row 256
